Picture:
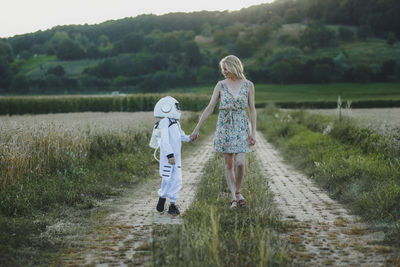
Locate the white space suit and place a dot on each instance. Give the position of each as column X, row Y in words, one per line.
column 171, row 143
column 172, row 136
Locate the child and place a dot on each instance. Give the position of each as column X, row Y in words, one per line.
column 167, row 108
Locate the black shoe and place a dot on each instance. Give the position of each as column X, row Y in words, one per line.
column 173, row 209
column 161, row 204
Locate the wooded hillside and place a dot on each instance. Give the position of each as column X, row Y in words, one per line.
column 287, row 41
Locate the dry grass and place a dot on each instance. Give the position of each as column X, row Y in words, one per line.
column 38, row 144
column 383, row 120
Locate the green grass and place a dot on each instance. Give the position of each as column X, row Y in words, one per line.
column 357, row 166
column 214, row 235
column 371, row 51
column 315, row 92
column 73, row 68
column 35, row 62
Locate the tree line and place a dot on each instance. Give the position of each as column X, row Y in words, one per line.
column 152, row 53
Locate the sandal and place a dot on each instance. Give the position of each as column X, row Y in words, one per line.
column 233, row 204
column 241, row 201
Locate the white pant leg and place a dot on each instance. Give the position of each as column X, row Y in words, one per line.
column 175, row 185
column 166, row 171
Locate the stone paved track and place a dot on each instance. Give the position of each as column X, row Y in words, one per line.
column 323, row 230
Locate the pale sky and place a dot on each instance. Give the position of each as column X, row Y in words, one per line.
column 24, row 16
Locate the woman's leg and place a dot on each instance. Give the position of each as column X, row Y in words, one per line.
column 230, row 176
column 240, row 160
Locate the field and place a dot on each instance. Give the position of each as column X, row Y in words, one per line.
column 267, row 93
column 56, row 140
column 76, row 123
column 385, row 121
column 55, row 164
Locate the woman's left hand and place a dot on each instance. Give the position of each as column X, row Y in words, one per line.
column 252, row 140
column 195, row 134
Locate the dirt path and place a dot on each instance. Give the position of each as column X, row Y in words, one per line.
column 325, row 232
column 125, row 237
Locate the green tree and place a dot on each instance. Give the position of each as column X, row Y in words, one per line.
column 207, row 75
column 193, row 56
column 340, row 63
column 20, row 83
column 57, row 39
column 103, row 41
column 388, row 68
column 317, row 35
column 93, row 52
column 262, row 32
column 397, row 72
column 364, row 32
column 362, row 73
column 281, row 72
column 131, row 43
column 82, row 41
column 243, row 47
column 168, row 44
column 346, row 34
column 321, row 73
column 6, row 59
column 292, row 15
column 286, row 53
column 391, row 38
column 69, row 50
column 57, row 71
column 206, row 29
column 119, row 81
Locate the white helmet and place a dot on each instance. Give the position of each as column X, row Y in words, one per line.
column 167, row 107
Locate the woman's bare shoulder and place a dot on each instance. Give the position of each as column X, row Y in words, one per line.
column 221, row 81
column 250, row 83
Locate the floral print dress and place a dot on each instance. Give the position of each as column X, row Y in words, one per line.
column 232, row 133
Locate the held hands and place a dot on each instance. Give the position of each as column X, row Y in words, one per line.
column 252, row 140
column 195, row 134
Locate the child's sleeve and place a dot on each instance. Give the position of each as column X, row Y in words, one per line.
column 184, row 137
column 167, row 148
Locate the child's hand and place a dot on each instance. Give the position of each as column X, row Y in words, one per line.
column 194, row 135
column 171, row 161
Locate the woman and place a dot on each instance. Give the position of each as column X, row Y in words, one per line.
column 232, row 135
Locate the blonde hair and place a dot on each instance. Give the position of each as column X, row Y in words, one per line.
column 233, row 65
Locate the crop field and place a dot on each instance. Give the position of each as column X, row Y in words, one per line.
column 268, row 93
column 382, row 120
column 31, row 143
column 75, row 122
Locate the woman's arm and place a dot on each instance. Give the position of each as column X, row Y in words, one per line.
column 253, row 113
column 207, row 111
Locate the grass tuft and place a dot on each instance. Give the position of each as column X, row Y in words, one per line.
column 214, row 235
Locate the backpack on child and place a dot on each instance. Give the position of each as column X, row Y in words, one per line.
column 155, row 140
